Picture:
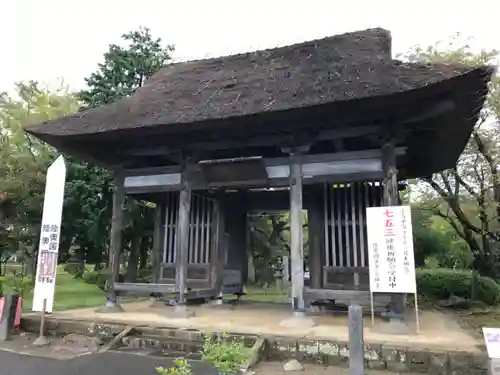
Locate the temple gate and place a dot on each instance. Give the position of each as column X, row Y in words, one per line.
column 333, row 124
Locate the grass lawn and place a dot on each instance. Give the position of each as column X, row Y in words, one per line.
column 71, row 293
column 74, row 293
column 271, row 294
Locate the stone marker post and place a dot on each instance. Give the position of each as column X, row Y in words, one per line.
column 356, row 341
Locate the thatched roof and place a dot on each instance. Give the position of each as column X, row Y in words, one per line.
column 338, row 82
column 335, row 69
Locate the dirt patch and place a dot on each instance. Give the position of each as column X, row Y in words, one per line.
column 476, row 318
column 58, row 348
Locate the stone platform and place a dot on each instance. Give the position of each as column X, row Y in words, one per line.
column 441, row 347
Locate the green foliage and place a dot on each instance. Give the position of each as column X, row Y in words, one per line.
column 74, row 269
column 181, row 367
column 24, row 161
column 126, row 68
column 436, row 243
column 226, row 355
column 1, row 285
column 98, row 278
column 467, row 196
column 441, row 283
column 88, row 193
column 123, row 70
column 18, row 283
column 145, row 275
column 271, row 239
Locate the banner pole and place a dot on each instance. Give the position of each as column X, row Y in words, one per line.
column 372, row 309
column 417, row 319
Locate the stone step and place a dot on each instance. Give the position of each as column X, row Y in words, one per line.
column 191, row 335
column 160, row 343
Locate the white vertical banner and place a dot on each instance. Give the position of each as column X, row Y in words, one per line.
column 390, row 250
column 49, row 236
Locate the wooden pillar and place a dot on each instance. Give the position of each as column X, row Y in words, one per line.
column 315, row 230
column 391, row 198
column 183, row 239
column 244, row 247
column 296, row 234
column 217, row 251
column 159, row 232
column 390, row 183
column 116, row 231
column 115, row 244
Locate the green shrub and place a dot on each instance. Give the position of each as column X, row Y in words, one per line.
column 19, row 283
column 145, row 275
column 226, row 355
column 1, row 285
column 440, row 283
column 180, row 367
column 74, row 269
column 98, row 278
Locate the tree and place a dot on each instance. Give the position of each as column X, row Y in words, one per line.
column 271, row 239
column 124, row 70
column 468, row 196
column 24, row 161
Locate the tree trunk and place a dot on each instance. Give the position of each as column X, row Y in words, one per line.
column 251, row 270
column 133, row 258
column 143, row 253
column 81, row 261
column 32, row 263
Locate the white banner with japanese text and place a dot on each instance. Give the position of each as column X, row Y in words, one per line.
column 390, row 250
column 49, row 236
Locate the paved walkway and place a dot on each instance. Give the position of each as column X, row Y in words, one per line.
column 106, row 364
column 113, row 363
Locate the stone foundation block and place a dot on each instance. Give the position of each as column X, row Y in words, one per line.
column 418, row 361
column 396, row 359
column 460, row 363
column 438, row 363
column 308, row 351
column 373, row 357
column 283, row 348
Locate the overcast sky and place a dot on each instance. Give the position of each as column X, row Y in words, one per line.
column 49, row 39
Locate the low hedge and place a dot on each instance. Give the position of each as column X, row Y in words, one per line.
column 98, row 278
column 440, row 283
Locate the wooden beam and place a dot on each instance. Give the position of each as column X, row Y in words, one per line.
column 115, row 244
column 183, row 236
column 260, row 141
column 432, row 110
column 296, row 231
